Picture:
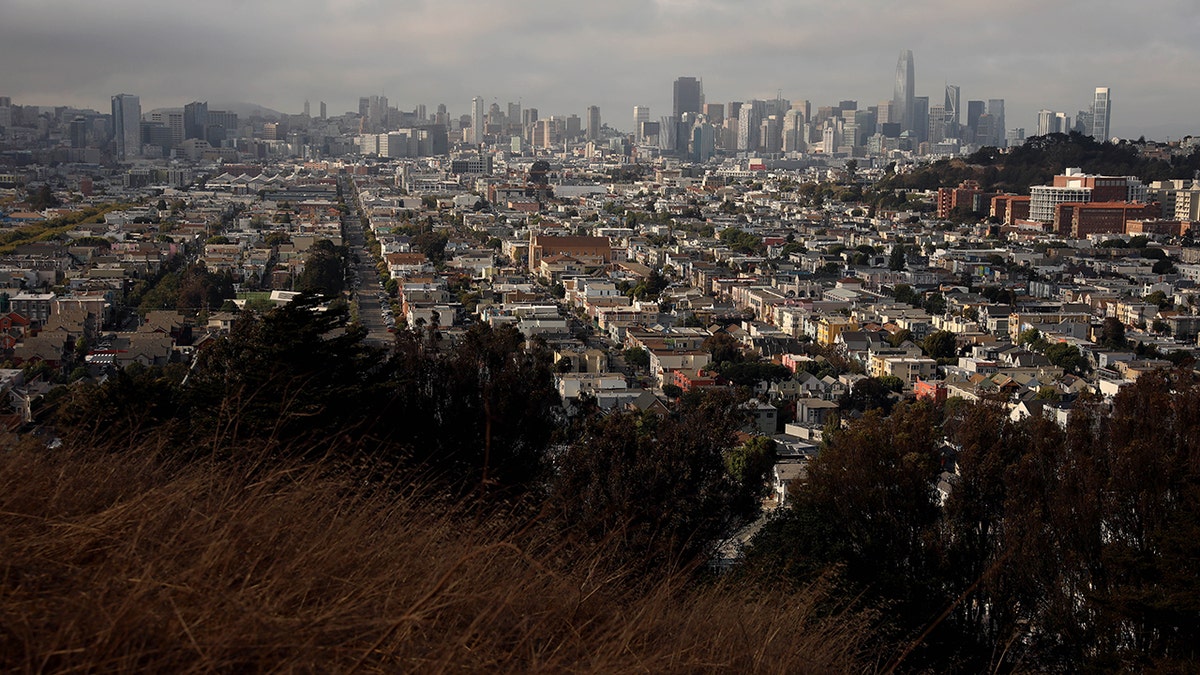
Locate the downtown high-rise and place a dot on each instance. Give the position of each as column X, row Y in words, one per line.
column 478, row 120
column 1101, row 109
column 688, row 97
column 904, row 95
column 127, row 126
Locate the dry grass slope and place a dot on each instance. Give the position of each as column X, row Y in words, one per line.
column 121, row 563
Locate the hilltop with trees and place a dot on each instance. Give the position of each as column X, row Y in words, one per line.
column 300, row 498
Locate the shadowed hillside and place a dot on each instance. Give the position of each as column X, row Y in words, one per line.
column 125, row 563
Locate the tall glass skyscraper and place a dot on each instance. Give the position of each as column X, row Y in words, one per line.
column 952, row 106
column 478, row 121
column 127, row 126
column 1101, row 108
column 902, row 100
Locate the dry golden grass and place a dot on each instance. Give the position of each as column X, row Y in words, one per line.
column 121, row 563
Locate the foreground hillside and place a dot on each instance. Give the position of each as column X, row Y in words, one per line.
column 126, row 563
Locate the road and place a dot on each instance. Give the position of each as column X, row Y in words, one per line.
column 366, row 288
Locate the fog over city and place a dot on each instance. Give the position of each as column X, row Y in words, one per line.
column 563, row 57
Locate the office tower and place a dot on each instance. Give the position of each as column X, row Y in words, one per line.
column 378, row 113
column 995, row 108
column 951, row 107
column 750, row 121
column 937, row 123
column 1101, row 108
column 171, row 118
column 715, row 113
column 127, row 126
column 885, row 112
column 847, row 105
column 514, row 115
column 974, row 110
column 770, row 138
column 593, row 122
column 78, row 132
column 364, row 106
column 668, row 132
column 195, row 119
column 307, row 109
column 902, row 98
column 477, row 120
column 793, row 131
column 641, row 114
column 704, row 142
column 574, row 127
column 920, row 118
column 688, row 97
column 1050, row 122
column 324, row 111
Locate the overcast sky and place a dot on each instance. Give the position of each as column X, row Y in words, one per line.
column 562, row 56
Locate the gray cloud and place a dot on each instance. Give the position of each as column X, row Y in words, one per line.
column 561, row 57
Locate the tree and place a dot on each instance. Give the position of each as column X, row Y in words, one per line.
column 432, row 244
column 869, row 393
column 637, row 357
column 896, row 261
column 868, row 511
column 1159, row 299
column 324, row 269
column 1029, row 336
column 1164, row 266
column 1068, row 357
column 723, row 348
column 940, row 345
column 905, row 293
column 43, row 198
column 749, row 464
column 654, row 487
column 899, row 337
column 277, row 372
column 934, row 304
column 750, row 373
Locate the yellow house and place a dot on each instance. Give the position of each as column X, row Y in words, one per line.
column 830, row 327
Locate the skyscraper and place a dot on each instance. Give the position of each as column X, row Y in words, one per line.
column 919, row 121
column 641, row 114
column 1051, row 122
column 324, row 110
column 127, row 126
column 688, row 97
column 995, row 108
column 1101, row 108
column 902, row 98
column 195, row 119
column 952, row 110
column 974, row 110
column 593, row 122
column 477, row 120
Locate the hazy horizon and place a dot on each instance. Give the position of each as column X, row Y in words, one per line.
column 617, row 55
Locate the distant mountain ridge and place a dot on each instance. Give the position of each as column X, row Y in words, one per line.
column 243, row 109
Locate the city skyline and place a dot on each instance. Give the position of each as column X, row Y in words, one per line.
column 563, row 62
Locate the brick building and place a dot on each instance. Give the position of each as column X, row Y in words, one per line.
column 597, row 250
column 1079, row 220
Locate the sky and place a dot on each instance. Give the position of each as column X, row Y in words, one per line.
column 561, row 56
